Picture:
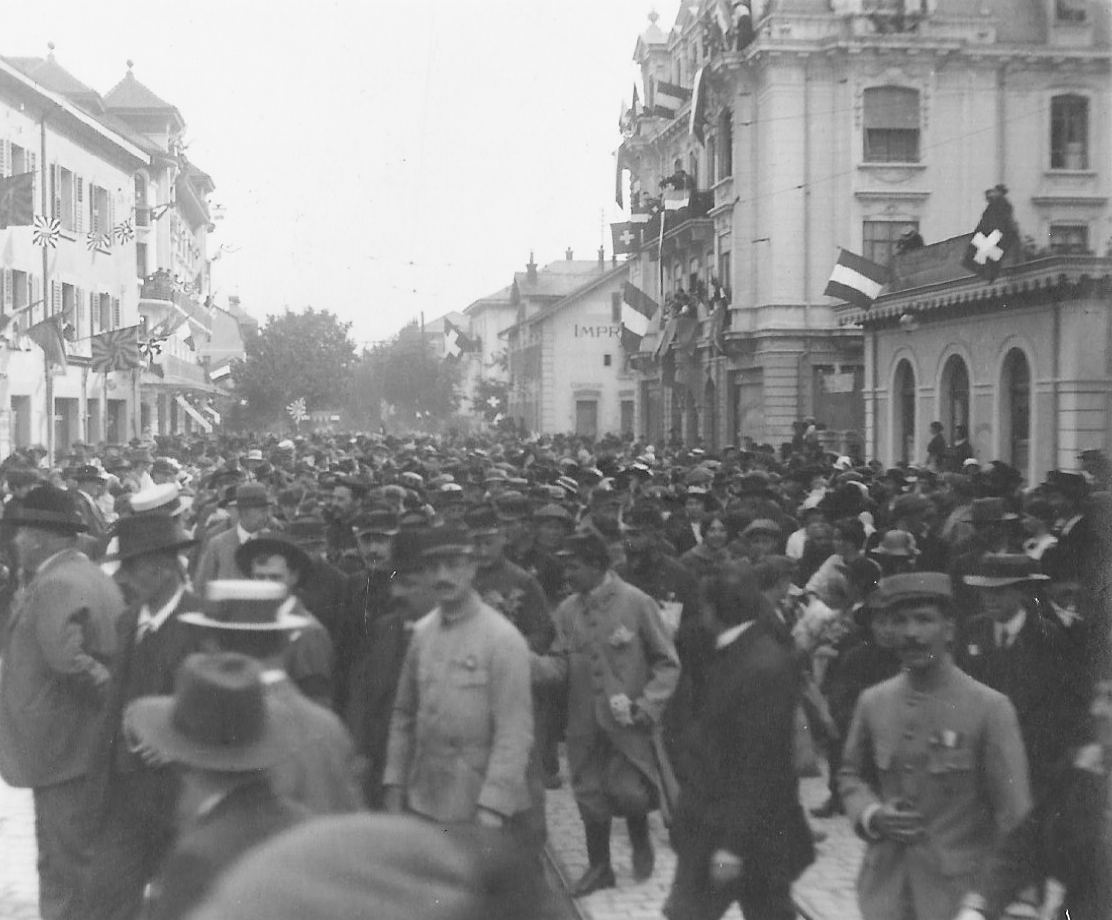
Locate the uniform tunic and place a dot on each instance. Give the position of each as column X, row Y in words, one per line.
column 954, row 755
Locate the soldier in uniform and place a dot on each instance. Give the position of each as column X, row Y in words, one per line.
column 934, row 772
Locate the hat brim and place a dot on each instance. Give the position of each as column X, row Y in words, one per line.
column 20, row 519
column 248, row 552
column 150, row 720
column 283, row 622
column 990, row 581
column 149, row 550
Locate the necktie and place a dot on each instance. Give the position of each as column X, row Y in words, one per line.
column 144, row 627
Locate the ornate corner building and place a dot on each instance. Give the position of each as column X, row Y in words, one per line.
column 822, row 124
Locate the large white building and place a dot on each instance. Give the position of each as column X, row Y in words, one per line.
column 846, row 123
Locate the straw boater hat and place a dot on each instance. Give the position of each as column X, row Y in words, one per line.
column 46, row 507
column 1002, row 570
column 246, row 605
column 218, row 718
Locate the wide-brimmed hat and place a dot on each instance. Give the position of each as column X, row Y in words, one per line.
column 1000, row 570
column 512, row 506
column 144, row 534
column 253, row 456
column 251, row 495
column 140, row 455
column 554, row 512
column 164, row 498
column 897, row 543
column 265, row 546
column 247, row 605
column 45, row 507
column 1073, row 485
column 219, row 717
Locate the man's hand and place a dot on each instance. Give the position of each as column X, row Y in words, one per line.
column 725, row 867
column 897, row 821
column 621, row 708
column 393, row 800
column 487, row 818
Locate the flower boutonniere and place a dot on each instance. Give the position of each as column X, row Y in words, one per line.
column 621, row 636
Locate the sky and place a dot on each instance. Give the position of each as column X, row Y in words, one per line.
column 377, row 159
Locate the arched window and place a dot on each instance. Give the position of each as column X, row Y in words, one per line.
column 1015, row 409
column 954, row 399
column 891, row 117
column 903, row 412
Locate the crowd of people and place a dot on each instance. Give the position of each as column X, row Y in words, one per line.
column 324, row 677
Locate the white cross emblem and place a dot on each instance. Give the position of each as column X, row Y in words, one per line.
column 987, row 247
column 626, row 237
column 451, row 344
column 493, row 402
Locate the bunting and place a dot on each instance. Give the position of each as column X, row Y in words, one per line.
column 46, row 231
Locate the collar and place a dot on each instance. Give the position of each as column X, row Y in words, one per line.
column 731, row 635
column 49, row 560
column 466, row 610
column 150, row 622
column 244, row 536
column 1011, row 628
column 273, row 676
column 602, row 588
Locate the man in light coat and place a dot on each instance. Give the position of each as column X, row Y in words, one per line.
column 60, row 642
column 218, row 557
column 613, row 652
column 462, row 727
column 934, row 772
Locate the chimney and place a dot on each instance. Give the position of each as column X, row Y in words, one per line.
column 601, row 258
column 531, row 269
column 567, row 254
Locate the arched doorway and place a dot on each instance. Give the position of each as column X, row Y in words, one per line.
column 954, row 398
column 903, row 412
column 1015, row 410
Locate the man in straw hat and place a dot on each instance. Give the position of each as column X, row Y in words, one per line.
column 934, row 774
column 59, row 644
column 224, row 734
column 132, row 801
column 261, row 619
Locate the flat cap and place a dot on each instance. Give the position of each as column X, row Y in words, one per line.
column 913, row 586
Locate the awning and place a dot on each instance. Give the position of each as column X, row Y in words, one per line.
column 194, row 414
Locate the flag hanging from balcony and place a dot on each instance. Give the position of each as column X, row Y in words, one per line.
column 638, row 309
column 856, row 280
column 676, row 199
column 669, row 99
column 456, row 343
column 17, row 200
column 627, row 237
column 995, row 235
column 698, row 106
column 117, row 350
column 46, row 231
column 48, row 336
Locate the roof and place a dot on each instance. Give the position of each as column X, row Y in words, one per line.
column 503, row 296
column 49, row 73
column 557, row 279
column 573, row 294
column 436, row 326
column 130, row 94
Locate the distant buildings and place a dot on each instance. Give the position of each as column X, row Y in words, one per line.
column 132, row 250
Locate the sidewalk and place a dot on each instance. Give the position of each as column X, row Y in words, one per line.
column 825, row 892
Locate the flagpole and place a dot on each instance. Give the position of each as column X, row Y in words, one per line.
column 47, row 299
column 104, row 408
column 84, row 404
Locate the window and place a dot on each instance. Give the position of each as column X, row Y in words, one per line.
column 725, row 144
column 879, row 238
column 64, row 194
column 1069, row 10
column 627, row 417
column 1069, row 132
column 98, row 210
column 724, row 274
column 140, row 259
column 21, row 290
column 712, row 166
column 606, row 360
column 903, row 414
column 891, row 125
column 616, row 307
column 69, row 300
column 1015, row 389
column 955, row 398
column 1069, row 239
column 105, row 310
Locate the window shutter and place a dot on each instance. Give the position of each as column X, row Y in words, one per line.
column 55, row 298
column 110, row 229
column 56, row 190
column 115, row 312
column 32, row 167
column 5, row 158
column 6, row 291
column 94, row 313
column 78, row 205
column 79, row 311
column 36, row 296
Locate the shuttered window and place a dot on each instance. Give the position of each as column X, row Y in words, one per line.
column 891, row 119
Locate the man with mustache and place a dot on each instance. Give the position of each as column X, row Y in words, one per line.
column 934, row 772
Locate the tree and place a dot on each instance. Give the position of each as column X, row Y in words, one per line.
column 308, row 354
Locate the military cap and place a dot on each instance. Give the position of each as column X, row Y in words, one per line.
column 909, row 587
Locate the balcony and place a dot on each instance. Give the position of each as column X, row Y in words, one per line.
column 684, row 227
column 158, row 299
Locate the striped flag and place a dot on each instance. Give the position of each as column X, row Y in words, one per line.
column 669, row 99
column 638, row 309
column 219, row 373
column 856, row 280
column 698, row 107
column 117, row 350
column 48, row 336
column 46, row 231
column 676, row 199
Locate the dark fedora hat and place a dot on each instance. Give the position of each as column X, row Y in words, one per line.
column 88, row 473
column 218, row 718
column 265, row 546
column 252, row 495
column 143, row 534
column 46, row 507
column 1001, row 570
column 247, row 605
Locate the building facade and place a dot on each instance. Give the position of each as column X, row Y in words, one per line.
column 850, row 123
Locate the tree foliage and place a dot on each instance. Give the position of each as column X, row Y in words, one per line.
column 308, row 354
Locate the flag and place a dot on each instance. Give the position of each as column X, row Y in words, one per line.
column 717, row 330
column 638, row 309
column 698, row 107
column 17, row 200
column 219, row 373
column 46, row 231
column 687, row 334
column 995, row 235
column 627, row 237
column 669, row 98
column 124, row 232
column 117, row 350
column 619, row 167
column 723, row 15
column 456, row 343
column 856, row 280
column 48, row 336
column 675, row 199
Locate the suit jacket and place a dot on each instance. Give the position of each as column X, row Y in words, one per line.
column 321, row 774
column 92, row 515
column 60, row 643
column 152, row 675
column 218, row 560
column 956, row 755
column 243, row 819
column 741, row 793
